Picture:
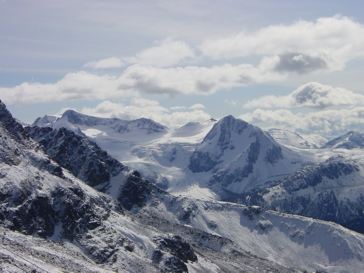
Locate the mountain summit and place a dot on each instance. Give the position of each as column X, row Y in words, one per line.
column 240, row 156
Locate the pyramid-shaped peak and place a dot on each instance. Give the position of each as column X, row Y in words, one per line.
column 71, row 113
column 230, row 123
column 230, row 119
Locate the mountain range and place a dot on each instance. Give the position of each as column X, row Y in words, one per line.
column 88, row 194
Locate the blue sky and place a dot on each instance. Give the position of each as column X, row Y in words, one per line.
column 176, row 61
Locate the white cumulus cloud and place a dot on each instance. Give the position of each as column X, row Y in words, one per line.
column 168, row 52
column 136, row 79
column 108, row 63
column 311, row 94
column 192, row 80
column 78, row 85
column 328, row 41
column 328, row 122
column 140, row 107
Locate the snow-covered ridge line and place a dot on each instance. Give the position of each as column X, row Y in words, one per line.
column 119, row 125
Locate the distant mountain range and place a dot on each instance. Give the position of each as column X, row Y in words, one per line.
column 351, row 140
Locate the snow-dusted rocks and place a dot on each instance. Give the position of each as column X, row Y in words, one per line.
column 332, row 190
column 77, row 154
column 45, row 121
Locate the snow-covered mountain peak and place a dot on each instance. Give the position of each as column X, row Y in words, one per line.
column 231, row 133
column 193, row 128
column 225, row 129
column 45, row 121
column 74, row 117
column 147, row 124
column 240, row 155
column 350, row 140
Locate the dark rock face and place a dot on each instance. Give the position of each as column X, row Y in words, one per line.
column 226, row 178
column 76, row 153
column 7, row 154
column 31, row 217
column 32, row 213
column 78, row 212
column 173, row 253
column 10, row 124
column 135, row 191
column 253, row 152
column 274, row 154
column 178, row 247
column 201, row 162
column 173, row 265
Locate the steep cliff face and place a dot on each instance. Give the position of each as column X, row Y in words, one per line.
column 77, row 154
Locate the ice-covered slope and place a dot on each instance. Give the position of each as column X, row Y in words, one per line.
column 161, row 154
column 20, row 253
column 238, row 156
column 294, row 241
column 350, row 140
column 114, row 135
column 292, row 139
